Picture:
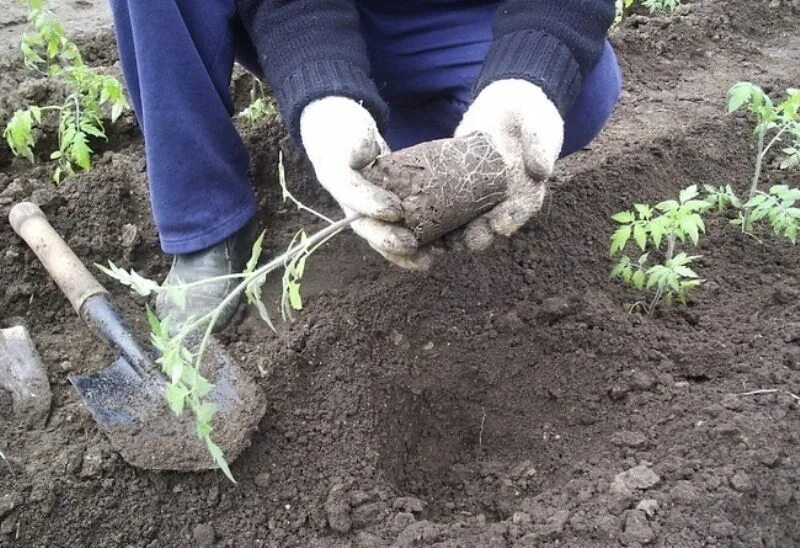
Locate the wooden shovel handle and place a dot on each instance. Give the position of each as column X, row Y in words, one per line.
column 66, row 269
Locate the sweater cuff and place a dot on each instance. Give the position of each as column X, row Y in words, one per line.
column 538, row 58
column 323, row 79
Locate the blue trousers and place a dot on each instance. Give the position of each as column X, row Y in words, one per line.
column 177, row 57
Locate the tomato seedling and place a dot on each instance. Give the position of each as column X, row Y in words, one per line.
column 671, row 222
column 47, row 49
column 261, row 106
column 721, row 198
column 182, row 362
column 653, row 6
column 781, row 124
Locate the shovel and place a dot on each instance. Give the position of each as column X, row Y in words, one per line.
column 127, row 397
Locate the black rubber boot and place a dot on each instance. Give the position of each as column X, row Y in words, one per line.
column 227, row 257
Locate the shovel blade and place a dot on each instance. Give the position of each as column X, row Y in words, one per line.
column 116, row 395
column 132, row 410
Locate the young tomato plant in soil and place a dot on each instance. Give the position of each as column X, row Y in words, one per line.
column 261, row 106
column 47, row 49
column 664, row 275
column 776, row 125
column 653, row 6
column 181, row 361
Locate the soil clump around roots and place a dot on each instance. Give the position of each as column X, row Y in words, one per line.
column 502, row 399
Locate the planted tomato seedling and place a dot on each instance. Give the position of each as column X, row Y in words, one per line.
column 663, row 275
column 780, row 123
column 47, row 49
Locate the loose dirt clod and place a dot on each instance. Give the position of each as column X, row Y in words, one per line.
column 443, row 184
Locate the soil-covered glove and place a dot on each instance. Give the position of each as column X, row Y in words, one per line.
column 527, row 130
column 340, row 138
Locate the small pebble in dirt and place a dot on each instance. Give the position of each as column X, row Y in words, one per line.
column 213, row 496
column 129, row 236
column 523, row 470
column 92, row 462
column 741, row 482
column 403, row 520
column 556, row 523
column 642, row 380
column 782, row 493
column 338, row 509
column 368, row 514
column 509, row 323
column 520, row 518
column 618, row 392
column 8, row 527
column 722, row 528
column 396, row 337
column 8, row 502
column 408, row 504
column 204, row 534
column 358, row 497
column 607, row 525
column 648, row 506
column 263, row 479
column 638, row 477
column 732, row 403
column 636, row 529
column 770, row 457
column 554, row 309
column 368, row 540
column 684, row 492
column 418, row 533
column 625, row 438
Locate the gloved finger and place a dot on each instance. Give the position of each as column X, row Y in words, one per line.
column 385, row 237
column 478, row 234
column 352, row 191
column 368, row 152
column 537, row 160
column 420, row 261
column 509, row 216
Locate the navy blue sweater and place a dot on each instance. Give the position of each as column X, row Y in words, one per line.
column 309, row 49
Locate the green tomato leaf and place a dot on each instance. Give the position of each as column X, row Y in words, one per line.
column 620, row 238
column 640, row 236
column 205, row 412
column 295, row 300
column 645, row 212
column 620, row 266
column 688, row 193
column 255, row 254
column 667, row 206
column 176, row 397
column 739, row 95
column 624, row 217
column 685, row 272
column 219, row 458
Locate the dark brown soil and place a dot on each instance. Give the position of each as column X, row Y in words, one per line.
column 504, row 399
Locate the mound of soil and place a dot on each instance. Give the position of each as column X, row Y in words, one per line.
column 504, row 399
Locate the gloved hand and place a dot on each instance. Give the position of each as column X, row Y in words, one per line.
column 340, row 138
column 527, row 130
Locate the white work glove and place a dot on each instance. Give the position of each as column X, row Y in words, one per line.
column 340, row 138
column 527, row 130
